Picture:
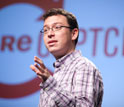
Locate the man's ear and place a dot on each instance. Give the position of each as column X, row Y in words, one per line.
column 75, row 32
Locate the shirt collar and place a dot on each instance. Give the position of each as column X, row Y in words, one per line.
column 67, row 58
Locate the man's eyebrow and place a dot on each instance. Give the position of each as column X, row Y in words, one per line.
column 57, row 23
column 53, row 24
column 44, row 26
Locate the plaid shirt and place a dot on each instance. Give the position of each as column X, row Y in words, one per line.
column 76, row 83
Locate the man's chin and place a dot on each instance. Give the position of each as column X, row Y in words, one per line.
column 52, row 51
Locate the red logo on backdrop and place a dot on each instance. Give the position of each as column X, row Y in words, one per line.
column 29, row 87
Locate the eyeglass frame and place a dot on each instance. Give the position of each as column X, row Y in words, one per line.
column 54, row 28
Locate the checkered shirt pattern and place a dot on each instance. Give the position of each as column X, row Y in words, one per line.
column 76, row 82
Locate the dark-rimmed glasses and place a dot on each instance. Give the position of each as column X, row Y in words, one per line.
column 45, row 30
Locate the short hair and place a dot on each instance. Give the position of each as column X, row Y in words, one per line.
column 71, row 19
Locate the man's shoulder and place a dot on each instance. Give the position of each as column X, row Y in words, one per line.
column 84, row 63
column 84, row 60
column 81, row 61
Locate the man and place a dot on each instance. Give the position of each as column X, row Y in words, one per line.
column 76, row 82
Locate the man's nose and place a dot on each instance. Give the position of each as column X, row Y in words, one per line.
column 51, row 33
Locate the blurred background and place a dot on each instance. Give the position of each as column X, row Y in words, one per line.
column 101, row 40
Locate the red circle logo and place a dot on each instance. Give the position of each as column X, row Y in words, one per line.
column 28, row 87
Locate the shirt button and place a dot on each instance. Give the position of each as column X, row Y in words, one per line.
column 46, row 89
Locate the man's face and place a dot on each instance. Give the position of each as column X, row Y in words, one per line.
column 58, row 42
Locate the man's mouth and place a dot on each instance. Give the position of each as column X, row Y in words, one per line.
column 52, row 42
